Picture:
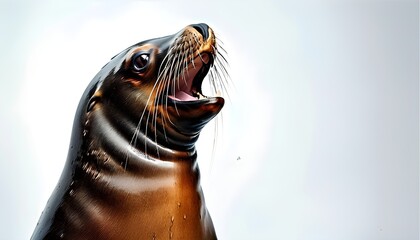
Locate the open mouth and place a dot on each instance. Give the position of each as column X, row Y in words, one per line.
column 188, row 85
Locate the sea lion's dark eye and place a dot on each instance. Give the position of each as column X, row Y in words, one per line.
column 140, row 61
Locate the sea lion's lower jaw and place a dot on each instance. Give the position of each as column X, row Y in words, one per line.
column 190, row 117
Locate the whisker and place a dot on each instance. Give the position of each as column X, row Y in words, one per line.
column 223, row 69
column 213, row 82
column 221, row 47
column 218, row 39
column 158, row 97
column 184, row 69
column 222, row 57
column 192, row 54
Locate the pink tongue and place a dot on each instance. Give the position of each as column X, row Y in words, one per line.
column 183, row 96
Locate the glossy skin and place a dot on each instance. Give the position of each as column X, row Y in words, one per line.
column 131, row 171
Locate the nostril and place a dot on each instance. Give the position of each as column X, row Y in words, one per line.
column 203, row 29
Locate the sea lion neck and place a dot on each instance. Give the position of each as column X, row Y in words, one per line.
column 136, row 130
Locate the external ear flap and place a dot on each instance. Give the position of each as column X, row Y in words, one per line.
column 92, row 102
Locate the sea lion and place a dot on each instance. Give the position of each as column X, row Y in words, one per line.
column 131, row 170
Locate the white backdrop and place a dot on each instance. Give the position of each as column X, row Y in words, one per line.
column 319, row 141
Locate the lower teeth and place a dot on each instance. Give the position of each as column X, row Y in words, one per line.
column 200, row 96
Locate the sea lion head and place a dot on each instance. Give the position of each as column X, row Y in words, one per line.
column 157, row 84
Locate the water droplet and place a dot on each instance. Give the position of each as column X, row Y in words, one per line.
column 179, row 204
column 172, row 219
column 185, row 216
